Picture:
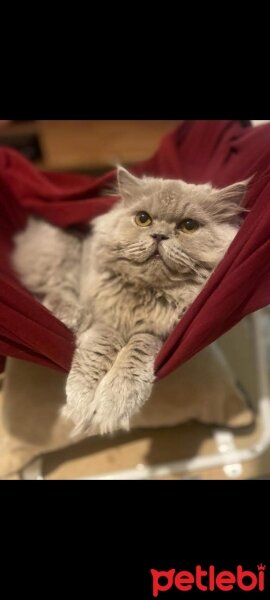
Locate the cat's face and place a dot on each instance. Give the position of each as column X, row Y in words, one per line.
column 167, row 231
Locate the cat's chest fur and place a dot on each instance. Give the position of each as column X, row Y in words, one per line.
column 131, row 309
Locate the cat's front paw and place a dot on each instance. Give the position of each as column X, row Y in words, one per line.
column 79, row 407
column 117, row 399
column 96, row 350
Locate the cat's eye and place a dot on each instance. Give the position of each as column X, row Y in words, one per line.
column 143, row 219
column 188, row 225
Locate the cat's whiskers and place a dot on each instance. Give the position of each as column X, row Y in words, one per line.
column 179, row 258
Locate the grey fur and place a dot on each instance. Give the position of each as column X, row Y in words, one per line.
column 121, row 291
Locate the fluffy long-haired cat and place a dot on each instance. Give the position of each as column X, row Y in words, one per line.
column 123, row 288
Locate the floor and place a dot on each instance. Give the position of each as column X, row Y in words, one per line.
column 96, row 457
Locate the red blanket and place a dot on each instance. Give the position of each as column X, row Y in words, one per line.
column 221, row 152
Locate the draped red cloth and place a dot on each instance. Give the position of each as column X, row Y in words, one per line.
column 220, row 152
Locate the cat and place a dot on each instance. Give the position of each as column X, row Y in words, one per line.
column 124, row 287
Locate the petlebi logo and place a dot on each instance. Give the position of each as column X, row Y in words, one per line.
column 208, row 579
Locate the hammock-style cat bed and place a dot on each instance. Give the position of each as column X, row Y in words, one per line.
column 219, row 152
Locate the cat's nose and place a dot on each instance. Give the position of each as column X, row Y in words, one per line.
column 159, row 237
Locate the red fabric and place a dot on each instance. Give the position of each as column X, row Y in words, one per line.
column 221, row 152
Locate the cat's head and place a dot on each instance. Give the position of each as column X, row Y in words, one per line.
column 166, row 231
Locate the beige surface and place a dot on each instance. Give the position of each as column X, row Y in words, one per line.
column 93, row 457
column 77, row 462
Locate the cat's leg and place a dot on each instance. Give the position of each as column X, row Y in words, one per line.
column 95, row 354
column 47, row 261
column 128, row 384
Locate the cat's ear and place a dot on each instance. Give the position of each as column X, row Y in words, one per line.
column 128, row 185
column 231, row 200
column 235, row 193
